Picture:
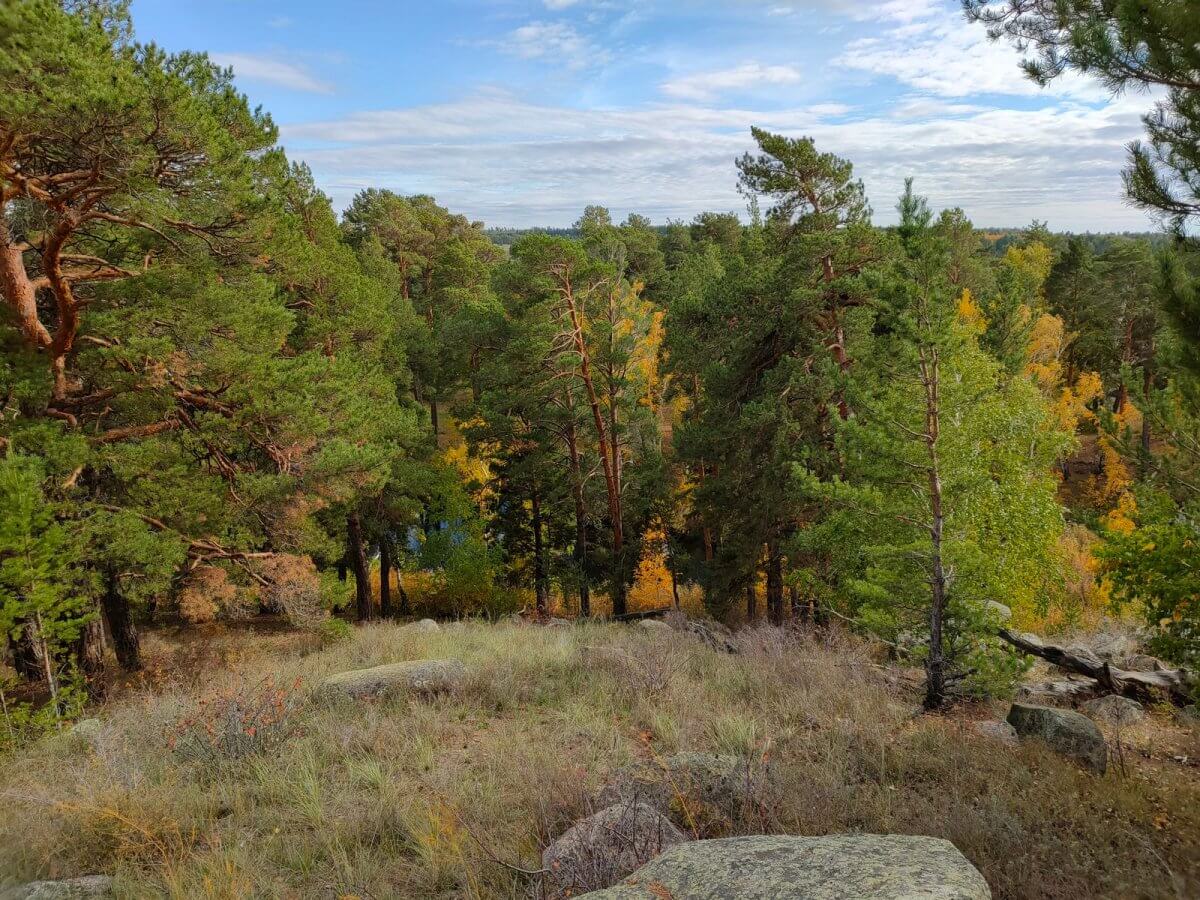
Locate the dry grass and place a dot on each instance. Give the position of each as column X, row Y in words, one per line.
column 444, row 798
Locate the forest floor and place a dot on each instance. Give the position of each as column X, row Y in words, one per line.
column 219, row 774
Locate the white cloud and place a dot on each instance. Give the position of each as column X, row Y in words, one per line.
column 559, row 4
column 272, row 71
column 555, row 41
column 282, row 22
column 861, row 10
column 946, row 58
column 510, row 162
column 705, row 85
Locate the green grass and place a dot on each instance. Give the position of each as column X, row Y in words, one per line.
column 443, row 798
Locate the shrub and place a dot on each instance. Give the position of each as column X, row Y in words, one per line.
column 293, row 588
column 1154, row 567
column 206, row 593
column 334, row 630
column 236, row 723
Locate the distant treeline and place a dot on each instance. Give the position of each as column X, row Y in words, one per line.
column 996, row 240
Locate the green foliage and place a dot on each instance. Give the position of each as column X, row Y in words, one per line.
column 1154, row 569
column 334, row 631
column 945, row 473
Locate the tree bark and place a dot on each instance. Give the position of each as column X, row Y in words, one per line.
column 751, row 601
column 405, row 607
column 581, row 542
column 774, row 582
column 612, row 476
column 358, row 561
column 935, row 663
column 1147, row 387
column 89, row 654
column 27, row 652
column 120, row 624
column 385, row 577
column 541, row 588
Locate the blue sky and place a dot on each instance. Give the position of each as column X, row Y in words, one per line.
column 522, row 112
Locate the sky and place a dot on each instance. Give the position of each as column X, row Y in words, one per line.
column 523, row 112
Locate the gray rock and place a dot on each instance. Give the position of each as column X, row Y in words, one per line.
column 1064, row 692
column 781, row 867
column 85, row 888
column 1115, row 645
column 1115, row 710
column 996, row 731
column 1067, row 732
column 422, row 676
column 597, row 851
column 86, row 732
column 1001, row 611
column 655, row 626
column 1140, row 662
column 726, row 787
column 422, row 626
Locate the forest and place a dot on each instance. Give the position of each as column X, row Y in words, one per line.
column 225, row 404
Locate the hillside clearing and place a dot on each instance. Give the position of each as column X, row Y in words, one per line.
column 453, row 796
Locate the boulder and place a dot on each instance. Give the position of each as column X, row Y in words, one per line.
column 85, row 888
column 996, row 730
column 782, row 867
column 597, row 851
column 1140, row 662
column 86, row 732
column 1115, row 710
column 421, row 676
column 999, row 610
column 1064, row 692
column 1067, row 732
column 691, row 787
column 422, row 626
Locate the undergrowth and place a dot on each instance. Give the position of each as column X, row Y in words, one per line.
column 453, row 796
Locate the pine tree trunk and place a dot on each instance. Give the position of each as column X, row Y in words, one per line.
column 405, row 607
column 433, row 421
column 935, row 663
column 581, row 542
column 774, row 583
column 540, row 587
column 89, row 655
column 751, row 602
column 120, row 624
column 385, row 577
column 26, row 652
column 358, row 561
column 1147, row 387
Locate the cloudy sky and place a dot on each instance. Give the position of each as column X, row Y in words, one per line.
column 522, row 112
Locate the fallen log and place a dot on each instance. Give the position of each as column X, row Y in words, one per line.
column 1175, row 684
column 642, row 614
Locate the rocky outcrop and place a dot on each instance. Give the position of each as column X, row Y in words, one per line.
column 1115, row 710
column 603, row 848
column 422, row 676
column 1067, row 732
column 780, row 867
column 89, row 887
